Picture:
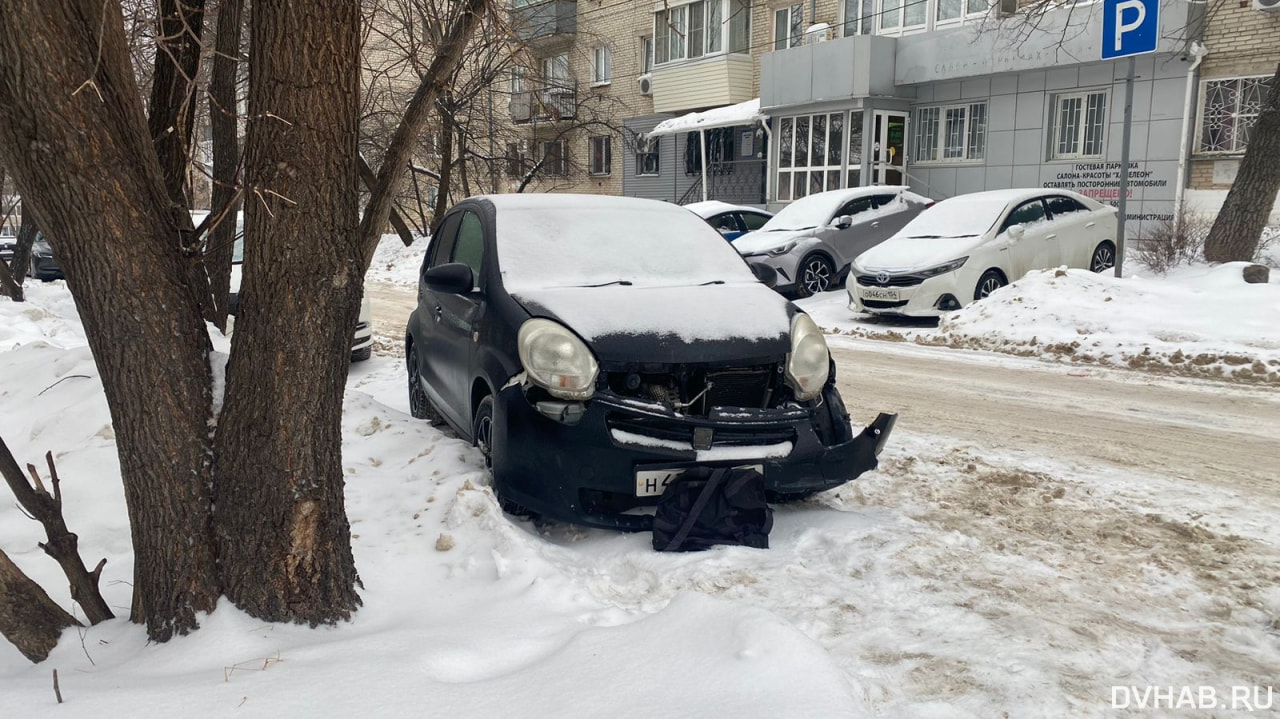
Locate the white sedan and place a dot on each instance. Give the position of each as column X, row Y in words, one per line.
column 967, row 247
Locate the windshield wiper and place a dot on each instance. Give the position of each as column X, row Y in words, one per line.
column 712, row 282
column 624, row 283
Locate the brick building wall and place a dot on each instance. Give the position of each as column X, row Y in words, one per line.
column 1241, row 42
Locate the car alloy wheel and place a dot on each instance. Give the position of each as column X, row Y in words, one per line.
column 419, row 405
column 482, row 430
column 816, row 275
column 1104, row 258
column 988, row 283
column 482, row 437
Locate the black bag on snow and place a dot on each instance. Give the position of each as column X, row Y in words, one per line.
column 704, row 507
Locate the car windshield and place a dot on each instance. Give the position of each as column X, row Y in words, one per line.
column 956, row 217
column 562, row 241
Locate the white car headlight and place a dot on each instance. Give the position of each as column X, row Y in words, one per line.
column 779, row 251
column 556, row 360
column 943, row 268
column 809, row 362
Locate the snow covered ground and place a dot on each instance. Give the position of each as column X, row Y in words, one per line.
column 956, row 581
column 1197, row 321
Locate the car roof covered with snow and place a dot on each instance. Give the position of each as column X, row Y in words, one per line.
column 714, row 207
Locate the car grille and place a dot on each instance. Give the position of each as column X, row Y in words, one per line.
column 694, row 390
column 882, row 305
column 662, row 428
column 893, row 281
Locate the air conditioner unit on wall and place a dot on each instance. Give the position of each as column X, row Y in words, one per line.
column 1267, row 5
column 646, row 84
column 1007, row 7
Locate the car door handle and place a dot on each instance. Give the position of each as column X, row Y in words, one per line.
column 439, row 312
column 1091, row 224
column 1051, row 237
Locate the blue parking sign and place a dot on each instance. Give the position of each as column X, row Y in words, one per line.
column 1129, row 27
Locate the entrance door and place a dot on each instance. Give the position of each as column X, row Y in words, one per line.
column 889, row 148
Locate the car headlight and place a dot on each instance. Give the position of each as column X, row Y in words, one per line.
column 556, row 360
column 809, row 363
column 779, row 251
column 943, row 268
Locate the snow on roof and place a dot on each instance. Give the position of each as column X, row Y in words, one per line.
column 715, row 207
column 744, row 113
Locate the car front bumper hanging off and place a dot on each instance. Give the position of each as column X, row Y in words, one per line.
column 584, row 470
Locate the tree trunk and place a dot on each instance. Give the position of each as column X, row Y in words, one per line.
column 27, row 232
column 28, row 617
column 1237, row 230
column 283, row 536
column 71, row 105
column 226, row 156
column 446, row 171
column 173, row 90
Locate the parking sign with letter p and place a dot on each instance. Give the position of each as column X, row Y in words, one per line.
column 1129, row 27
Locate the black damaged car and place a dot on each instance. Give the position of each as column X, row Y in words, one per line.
column 595, row 347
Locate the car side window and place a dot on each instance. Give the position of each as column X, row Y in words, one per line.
column 854, row 206
column 442, row 243
column 725, row 223
column 1025, row 214
column 1060, row 205
column 752, row 221
column 469, row 247
column 882, row 200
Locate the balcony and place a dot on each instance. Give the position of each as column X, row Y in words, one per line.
column 540, row 22
column 842, row 69
column 709, row 82
column 550, row 103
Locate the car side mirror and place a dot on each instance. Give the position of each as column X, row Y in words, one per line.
column 843, row 222
column 765, row 274
column 454, row 278
column 1016, row 232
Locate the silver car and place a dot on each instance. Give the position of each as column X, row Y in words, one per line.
column 813, row 240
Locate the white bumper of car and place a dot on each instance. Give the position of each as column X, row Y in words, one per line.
column 921, row 300
column 786, row 266
column 364, row 326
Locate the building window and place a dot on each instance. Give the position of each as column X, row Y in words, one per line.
column 646, row 54
column 720, row 151
column 1229, row 109
column 902, row 15
column 555, row 70
column 696, row 29
column 857, row 17
column 601, row 159
column 788, row 26
column 951, row 133
column 601, row 65
column 949, row 11
column 555, row 158
column 811, row 155
column 1078, row 120
column 517, row 164
column 647, row 155
column 517, row 79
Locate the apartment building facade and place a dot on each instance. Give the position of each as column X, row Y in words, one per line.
column 948, row 96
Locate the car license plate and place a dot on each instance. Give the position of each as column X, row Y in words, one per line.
column 880, row 293
column 652, row 482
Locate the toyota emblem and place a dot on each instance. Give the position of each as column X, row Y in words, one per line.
column 883, row 278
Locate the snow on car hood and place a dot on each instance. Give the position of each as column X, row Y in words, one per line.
column 915, row 253
column 762, row 240
column 706, row 324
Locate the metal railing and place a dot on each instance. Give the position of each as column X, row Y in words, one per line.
column 737, row 182
column 553, row 102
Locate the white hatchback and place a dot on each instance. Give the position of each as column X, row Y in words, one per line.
column 964, row 248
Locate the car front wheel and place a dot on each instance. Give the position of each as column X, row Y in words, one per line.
column 482, row 438
column 1104, row 258
column 988, row 283
column 419, row 405
column 816, row 275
